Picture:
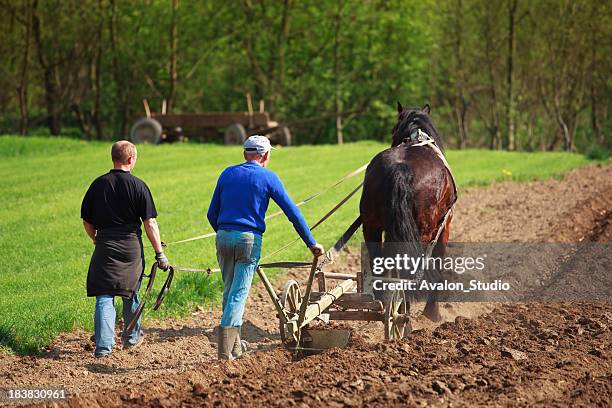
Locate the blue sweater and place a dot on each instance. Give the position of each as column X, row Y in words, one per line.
column 241, row 199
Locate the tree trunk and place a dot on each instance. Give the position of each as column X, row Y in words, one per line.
column 97, row 81
column 530, row 133
column 567, row 141
column 282, row 45
column 261, row 79
column 460, row 103
column 49, row 74
column 461, row 118
column 22, row 88
column 84, row 124
column 494, row 126
column 173, row 57
column 269, row 74
column 123, row 109
column 277, row 76
column 595, row 126
column 567, row 130
column 338, row 102
column 512, row 5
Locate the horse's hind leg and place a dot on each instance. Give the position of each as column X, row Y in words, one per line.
column 373, row 240
column 432, row 307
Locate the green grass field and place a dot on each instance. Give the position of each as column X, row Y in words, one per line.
column 46, row 251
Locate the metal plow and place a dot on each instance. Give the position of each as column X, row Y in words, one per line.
column 343, row 301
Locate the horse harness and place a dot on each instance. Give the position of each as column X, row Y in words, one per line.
column 420, row 138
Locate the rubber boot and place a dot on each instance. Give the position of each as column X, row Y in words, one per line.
column 240, row 346
column 237, row 348
column 227, row 337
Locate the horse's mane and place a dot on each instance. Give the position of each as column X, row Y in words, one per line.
column 411, row 119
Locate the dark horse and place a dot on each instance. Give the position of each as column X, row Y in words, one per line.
column 407, row 192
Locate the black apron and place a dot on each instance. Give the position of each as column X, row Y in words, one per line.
column 117, row 264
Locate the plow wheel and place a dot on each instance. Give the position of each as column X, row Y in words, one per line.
column 395, row 316
column 291, row 299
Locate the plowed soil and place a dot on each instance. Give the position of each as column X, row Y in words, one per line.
column 483, row 354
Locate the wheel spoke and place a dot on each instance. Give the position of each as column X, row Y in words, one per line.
column 291, row 301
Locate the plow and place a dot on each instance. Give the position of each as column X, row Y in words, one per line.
column 344, row 300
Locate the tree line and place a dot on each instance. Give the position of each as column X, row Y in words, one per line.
column 505, row 74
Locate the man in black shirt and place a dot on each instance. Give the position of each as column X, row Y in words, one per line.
column 112, row 211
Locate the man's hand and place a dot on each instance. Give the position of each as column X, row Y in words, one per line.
column 317, row 250
column 91, row 231
column 162, row 260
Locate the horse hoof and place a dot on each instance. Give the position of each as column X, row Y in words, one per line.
column 434, row 316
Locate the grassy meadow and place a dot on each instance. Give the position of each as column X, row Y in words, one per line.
column 47, row 253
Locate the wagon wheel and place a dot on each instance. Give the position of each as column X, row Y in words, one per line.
column 235, row 134
column 290, row 299
column 146, row 130
column 285, row 136
column 396, row 316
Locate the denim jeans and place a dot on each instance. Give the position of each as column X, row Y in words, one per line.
column 238, row 255
column 104, row 323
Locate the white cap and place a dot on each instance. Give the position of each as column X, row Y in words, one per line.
column 257, row 143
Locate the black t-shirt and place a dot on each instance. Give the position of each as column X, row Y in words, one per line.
column 118, row 200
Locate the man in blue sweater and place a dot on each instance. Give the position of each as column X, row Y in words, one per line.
column 237, row 213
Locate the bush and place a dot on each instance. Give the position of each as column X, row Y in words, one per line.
column 598, row 153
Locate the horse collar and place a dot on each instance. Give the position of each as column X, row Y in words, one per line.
column 418, row 136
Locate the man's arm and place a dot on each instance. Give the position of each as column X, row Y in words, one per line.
column 215, row 207
column 90, row 230
column 152, row 230
column 87, row 214
column 293, row 213
column 148, row 214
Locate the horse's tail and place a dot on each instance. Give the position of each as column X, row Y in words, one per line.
column 400, row 225
column 401, row 228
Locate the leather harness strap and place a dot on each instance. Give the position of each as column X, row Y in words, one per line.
column 420, row 138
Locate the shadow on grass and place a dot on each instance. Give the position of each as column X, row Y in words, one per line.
column 14, row 344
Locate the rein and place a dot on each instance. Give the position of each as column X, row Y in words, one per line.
column 276, row 214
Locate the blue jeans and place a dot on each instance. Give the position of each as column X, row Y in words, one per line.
column 238, row 255
column 104, row 323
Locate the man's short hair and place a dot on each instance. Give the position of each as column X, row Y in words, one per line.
column 252, row 155
column 122, row 151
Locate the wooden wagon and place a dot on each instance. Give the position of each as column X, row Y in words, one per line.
column 231, row 127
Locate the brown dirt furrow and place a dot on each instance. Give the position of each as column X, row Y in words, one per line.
column 516, row 354
column 500, row 354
